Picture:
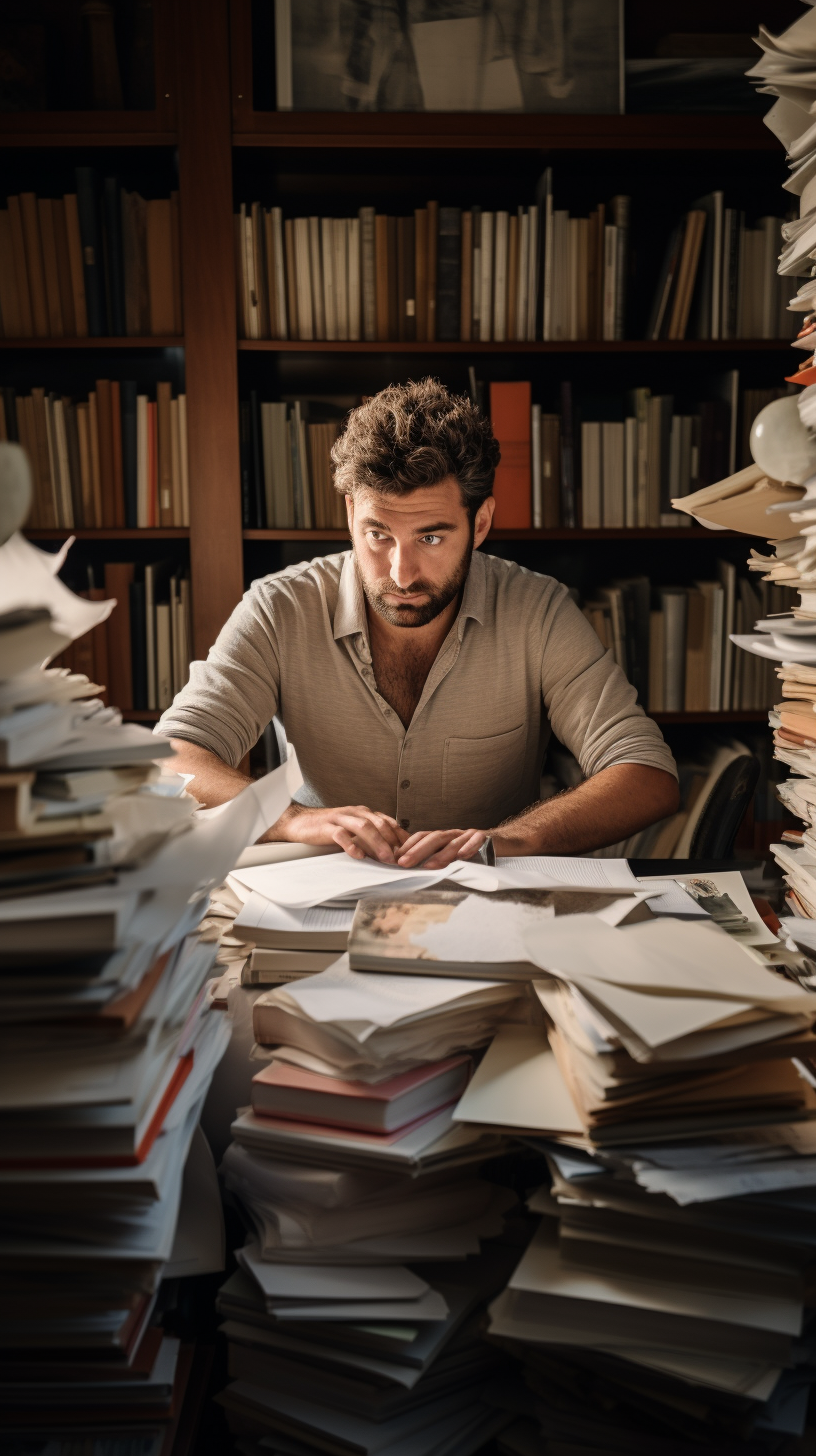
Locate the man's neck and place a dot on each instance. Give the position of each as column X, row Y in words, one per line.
column 411, row 641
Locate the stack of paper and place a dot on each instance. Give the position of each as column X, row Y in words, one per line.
column 107, row 1042
column 667, row 1084
column 367, row 1214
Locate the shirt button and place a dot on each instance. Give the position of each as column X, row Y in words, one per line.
column 404, row 823
column 406, row 784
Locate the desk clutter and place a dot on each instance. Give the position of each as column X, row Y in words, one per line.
column 548, row 1126
column 108, row 1043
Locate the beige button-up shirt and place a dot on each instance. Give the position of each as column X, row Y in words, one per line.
column 520, row 662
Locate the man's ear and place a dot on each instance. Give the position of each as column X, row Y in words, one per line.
column 483, row 520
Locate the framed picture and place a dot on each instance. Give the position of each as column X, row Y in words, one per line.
column 449, row 55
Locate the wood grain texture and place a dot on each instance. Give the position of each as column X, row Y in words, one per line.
column 208, row 288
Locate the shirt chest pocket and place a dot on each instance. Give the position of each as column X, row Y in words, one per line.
column 481, row 778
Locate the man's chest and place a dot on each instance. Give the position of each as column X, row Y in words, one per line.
column 400, row 678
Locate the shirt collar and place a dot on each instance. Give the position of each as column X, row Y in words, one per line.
column 350, row 613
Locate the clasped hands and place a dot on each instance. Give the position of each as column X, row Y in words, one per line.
column 363, row 832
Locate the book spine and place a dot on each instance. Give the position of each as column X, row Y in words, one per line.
column 535, row 447
column 500, row 278
column 105, row 432
column 466, row 269
column 340, row 260
column 114, row 259
column 449, row 283
column 316, row 271
column 75, row 264
column 18, row 248
column 118, row 467
column 512, row 276
column 92, row 260
column 164, row 396
column 34, row 263
column 433, row 264
column 281, row 313
column 510, row 413
column 569, row 505
column 486, row 280
column 118, row 581
column 621, row 208
column 48, row 239
column 127, row 396
column 138, row 645
column 257, row 483
column 354, row 280
column 368, row 273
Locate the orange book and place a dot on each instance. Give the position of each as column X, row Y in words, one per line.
column 510, row 406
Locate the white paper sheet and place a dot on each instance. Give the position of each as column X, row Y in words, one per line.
column 304, row 1282
column 553, row 871
column 342, row 995
column 28, row 578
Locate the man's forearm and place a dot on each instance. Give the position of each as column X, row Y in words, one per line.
column 214, row 782
column 606, row 808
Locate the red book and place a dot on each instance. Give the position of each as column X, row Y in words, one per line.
column 510, row 410
column 288, row 1092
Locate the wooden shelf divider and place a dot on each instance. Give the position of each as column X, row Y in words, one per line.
column 113, row 341
column 534, row 533
column 560, row 346
column 109, row 533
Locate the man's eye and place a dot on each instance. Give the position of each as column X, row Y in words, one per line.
column 431, row 540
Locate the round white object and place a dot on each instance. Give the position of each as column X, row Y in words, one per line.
column 15, row 489
column 780, row 444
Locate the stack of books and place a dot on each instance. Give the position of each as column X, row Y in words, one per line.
column 117, row 458
column 355, row 1312
column 97, row 262
column 286, row 469
column 108, row 1041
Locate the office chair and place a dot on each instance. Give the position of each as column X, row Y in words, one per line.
column 724, row 809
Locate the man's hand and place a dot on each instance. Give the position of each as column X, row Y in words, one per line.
column 356, row 829
column 436, row 848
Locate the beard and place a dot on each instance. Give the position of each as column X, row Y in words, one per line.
column 439, row 595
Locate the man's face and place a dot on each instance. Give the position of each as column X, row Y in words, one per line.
column 413, row 551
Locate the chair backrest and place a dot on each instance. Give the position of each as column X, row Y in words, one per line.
column 725, row 809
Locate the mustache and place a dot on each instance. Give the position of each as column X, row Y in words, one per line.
column 402, row 591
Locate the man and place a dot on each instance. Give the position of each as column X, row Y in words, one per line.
column 419, row 679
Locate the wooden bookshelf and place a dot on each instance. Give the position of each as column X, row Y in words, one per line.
column 560, row 533
column 109, row 533
column 204, row 109
column 114, row 341
column 560, row 346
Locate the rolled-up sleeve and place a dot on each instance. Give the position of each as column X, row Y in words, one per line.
column 593, row 709
column 230, row 698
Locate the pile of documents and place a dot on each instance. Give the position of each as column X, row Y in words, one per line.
column 668, row 1086
column 353, row 1319
column 107, row 1041
column 786, row 513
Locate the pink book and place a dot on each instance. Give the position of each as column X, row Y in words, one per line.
column 285, row 1091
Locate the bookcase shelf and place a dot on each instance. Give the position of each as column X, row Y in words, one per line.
column 494, row 132
column 559, row 346
column 115, row 341
column 560, row 533
column 110, row 533
column 102, row 130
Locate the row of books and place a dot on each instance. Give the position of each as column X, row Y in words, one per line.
column 97, row 262
column 557, row 469
column 718, row 278
column 286, row 469
column 632, row 468
column 674, row 642
column 443, row 273
column 117, row 458
column 141, row 655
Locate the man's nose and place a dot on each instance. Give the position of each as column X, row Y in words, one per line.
column 403, row 566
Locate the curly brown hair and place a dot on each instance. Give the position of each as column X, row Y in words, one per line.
column 410, row 435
